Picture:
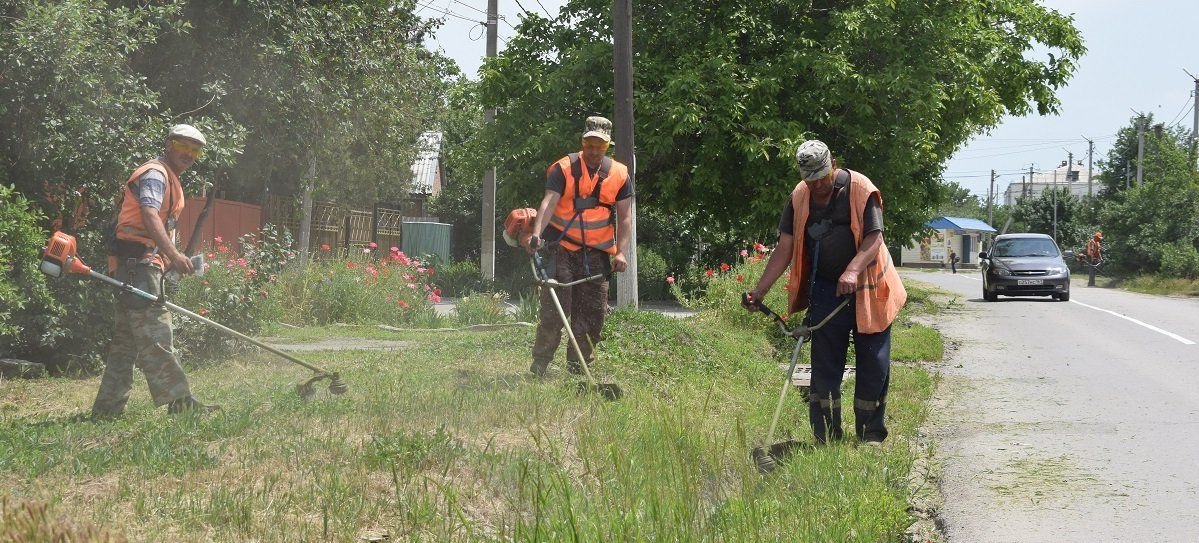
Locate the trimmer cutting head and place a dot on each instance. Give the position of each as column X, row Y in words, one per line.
column 337, row 387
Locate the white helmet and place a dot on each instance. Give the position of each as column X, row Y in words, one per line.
column 187, row 131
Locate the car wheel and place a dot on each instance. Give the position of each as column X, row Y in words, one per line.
column 1064, row 297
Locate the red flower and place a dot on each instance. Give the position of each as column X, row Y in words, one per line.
column 759, row 248
column 324, row 246
column 402, row 304
column 740, row 278
column 724, row 266
column 218, row 239
column 709, row 272
column 350, row 264
column 434, row 297
column 437, row 291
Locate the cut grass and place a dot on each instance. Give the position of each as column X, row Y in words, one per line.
column 449, row 441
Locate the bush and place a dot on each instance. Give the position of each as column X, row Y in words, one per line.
column 240, row 292
column 481, row 308
column 1179, row 259
column 458, row 278
column 651, row 275
column 29, row 315
column 361, row 287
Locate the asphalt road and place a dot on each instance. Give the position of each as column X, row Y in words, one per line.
column 1068, row 421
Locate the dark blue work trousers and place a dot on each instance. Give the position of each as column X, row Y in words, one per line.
column 830, row 347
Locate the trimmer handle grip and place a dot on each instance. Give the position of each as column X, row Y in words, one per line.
column 748, row 301
column 539, row 266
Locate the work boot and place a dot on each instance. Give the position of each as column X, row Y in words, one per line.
column 539, row 367
column 190, row 404
column 100, row 414
column 825, row 416
column 869, row 424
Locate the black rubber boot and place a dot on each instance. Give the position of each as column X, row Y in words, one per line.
column 826, row 421
column 539, row 367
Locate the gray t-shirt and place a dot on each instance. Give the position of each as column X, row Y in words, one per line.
column 151, row 187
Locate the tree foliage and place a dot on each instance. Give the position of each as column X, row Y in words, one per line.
column 726, row 90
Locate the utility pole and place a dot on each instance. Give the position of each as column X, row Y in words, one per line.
column 1054, row 196
column 487, row 256
column 622, row 56
column 1090, row 151
column 1193, row 150
column 1031, row 185
column 990, row 200
column 1140, row 147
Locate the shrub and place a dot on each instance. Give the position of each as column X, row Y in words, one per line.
column 651, row 270
column 361, row 287
column 458, row 278
column 1179, row 259
column 29, row 316
column 481, row 308
column 238, row 291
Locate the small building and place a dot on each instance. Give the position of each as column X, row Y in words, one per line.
column 963, row 236
column 1072, row 177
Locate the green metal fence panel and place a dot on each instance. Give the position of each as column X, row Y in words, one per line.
column 427, row 238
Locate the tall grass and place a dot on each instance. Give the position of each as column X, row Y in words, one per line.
column 449, row 441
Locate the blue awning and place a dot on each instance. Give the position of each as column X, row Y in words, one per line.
column 959, row 223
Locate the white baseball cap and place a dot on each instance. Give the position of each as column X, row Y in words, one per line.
column 187, row 131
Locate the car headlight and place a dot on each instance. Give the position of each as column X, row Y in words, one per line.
column 1001, row 271
column 1055, row 270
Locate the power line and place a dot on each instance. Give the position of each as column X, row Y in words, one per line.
column 547, row 12
column 448, row 13
column 1181, row 114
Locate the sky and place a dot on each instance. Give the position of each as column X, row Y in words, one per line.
column 1136, row 56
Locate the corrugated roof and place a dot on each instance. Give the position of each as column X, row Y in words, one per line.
column 959, row 223
column 427, row 165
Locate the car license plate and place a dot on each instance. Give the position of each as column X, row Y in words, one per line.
column 1030, row 281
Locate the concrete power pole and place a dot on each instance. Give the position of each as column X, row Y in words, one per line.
column 991, row 200
column 1090, row 151
column 1195, row 122
column 622, row 56
column 1140, row 148
column 1031, row 186
column 487, row 253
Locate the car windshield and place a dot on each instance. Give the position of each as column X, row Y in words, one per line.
column 1024, row 247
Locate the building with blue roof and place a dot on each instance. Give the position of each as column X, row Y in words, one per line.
column 958, row 235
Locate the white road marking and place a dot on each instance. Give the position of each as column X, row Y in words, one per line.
column 1171, row 335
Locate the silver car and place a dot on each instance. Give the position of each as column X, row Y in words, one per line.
column 1025, row 265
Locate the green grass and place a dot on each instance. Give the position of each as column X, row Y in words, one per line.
column 1167, row 286
column 449, row 441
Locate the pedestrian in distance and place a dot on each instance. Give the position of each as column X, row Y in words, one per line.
column 141, row 248
column 953, row 261
column 831, row 237
column 584, row 221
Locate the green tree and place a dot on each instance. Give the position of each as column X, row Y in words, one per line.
column 1165, row 156
column 726, row 90
column 1037, row 215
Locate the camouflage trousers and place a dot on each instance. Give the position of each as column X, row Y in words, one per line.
column 142, row 336
column 584, row 304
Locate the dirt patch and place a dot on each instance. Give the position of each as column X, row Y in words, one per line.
column 345, row 344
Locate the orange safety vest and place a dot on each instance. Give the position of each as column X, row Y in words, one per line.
column 595, row 226
column 880, row 293
column 129, row 216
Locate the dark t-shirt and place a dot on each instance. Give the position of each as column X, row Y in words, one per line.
column 837, row 247
column 555, row 180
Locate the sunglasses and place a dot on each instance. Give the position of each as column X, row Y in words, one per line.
column 195, row 151
column 597, row 145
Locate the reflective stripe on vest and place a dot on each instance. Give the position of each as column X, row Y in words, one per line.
column 594, row 227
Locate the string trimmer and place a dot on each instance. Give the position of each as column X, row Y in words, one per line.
column 610, row 391
column 61, row 256
column 767, row 457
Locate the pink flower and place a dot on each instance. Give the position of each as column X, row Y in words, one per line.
column 241, row 262
column 395, row 249
column 202, row 311
column 670, row 279
column 367, row 251
column 210, row 256
column 759, row 248
column 434, row 297
column 412, row 286
column 373, row 245
column 709, row 272
column 744, row 252
column 724, row 266
column 324, row 246
column 218, row 239
column 437, row 291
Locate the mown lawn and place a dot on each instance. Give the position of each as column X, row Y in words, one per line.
column 447, row 440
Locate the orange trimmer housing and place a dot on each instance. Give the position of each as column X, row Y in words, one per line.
column 61, row 254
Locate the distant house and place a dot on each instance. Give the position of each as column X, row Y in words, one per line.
column 958, row 234
column 428, row 175
column 1072, row 177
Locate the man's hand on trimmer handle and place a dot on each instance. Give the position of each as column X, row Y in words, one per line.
column 752, row 302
